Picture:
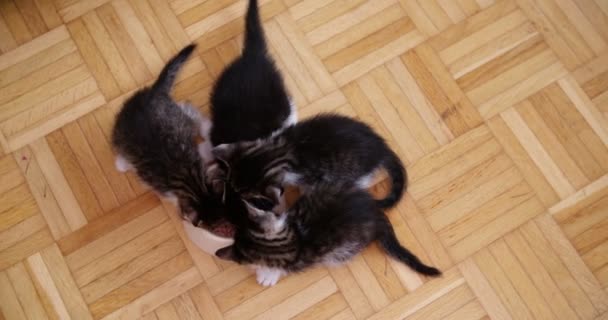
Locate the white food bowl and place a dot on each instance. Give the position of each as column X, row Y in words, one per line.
column 206, row 240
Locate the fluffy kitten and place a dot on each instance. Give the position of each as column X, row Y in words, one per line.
column 156, row 136
column 249, row 100
column 326, row 227
column 325, row 149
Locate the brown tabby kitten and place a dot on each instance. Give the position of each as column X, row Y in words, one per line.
column 326, row 227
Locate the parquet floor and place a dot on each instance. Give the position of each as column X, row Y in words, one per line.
column 498, row 108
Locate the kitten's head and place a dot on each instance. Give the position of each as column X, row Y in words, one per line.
column 262, row 211
column 262, row 224
column 254, row 170
column 205, row 210
column 268, row 221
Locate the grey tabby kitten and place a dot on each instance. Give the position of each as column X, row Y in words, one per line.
column 327, row 148
column 326, row 227
column 156, row 137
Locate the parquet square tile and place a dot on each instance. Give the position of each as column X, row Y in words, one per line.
column 498, row 57
column 124, row 43
column 534, row 273
column 471, row 192
column 564, row 143
column 352, row 42
column 44, row 85
column 85, row 159
column 118, row 258
column 391, row 106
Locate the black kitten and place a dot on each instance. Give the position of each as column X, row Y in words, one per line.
column 157, row 137
column 249, row 99
column 327, row 227
column 325, row 149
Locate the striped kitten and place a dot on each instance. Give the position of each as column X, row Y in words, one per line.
column 325, row 149
column 326, row 227
column 155, row 136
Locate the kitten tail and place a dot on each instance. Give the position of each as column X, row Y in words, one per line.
column 167, row 76
column 390, row 244
column 255, row 43
column 398, row 176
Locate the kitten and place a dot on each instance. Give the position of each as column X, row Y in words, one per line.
column 327, row 227
column 325, row 149
column 155, row 136
column 249, row 100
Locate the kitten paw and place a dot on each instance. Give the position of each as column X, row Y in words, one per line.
column 268, row 277
column 122, row 165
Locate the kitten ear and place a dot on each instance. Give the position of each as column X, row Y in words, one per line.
column 252, row 211
column 224, row 151
column 276, row 195
column 226, row 253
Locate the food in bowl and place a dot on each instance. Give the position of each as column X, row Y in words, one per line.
column 210, row 238
column 222, row 229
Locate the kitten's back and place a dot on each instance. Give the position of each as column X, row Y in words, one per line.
column 249, row 100
column 341, row 221
column 337, row 146
column 153, row 133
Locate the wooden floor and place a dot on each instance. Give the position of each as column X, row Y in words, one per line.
column 498, row 108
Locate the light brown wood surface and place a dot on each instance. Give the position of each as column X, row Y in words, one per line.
column 498, row 108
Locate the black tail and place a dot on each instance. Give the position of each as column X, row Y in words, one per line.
column 390, row 244
column 398, row 176
column 255, row 42
column 165, row 80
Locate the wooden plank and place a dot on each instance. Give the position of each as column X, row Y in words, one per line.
column 293, row 305
column 159, row 295
column 353, row 294
column 124, row 44
column 26, row 292
column 132, row 250
column 538, row 153
column 9, row 301
column 426, row 295
column 483, row 290
column 204, row 303
column 65, row 284
column 541, row 278
column 93, row 59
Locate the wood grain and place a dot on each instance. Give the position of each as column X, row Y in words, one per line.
column 498, row 109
